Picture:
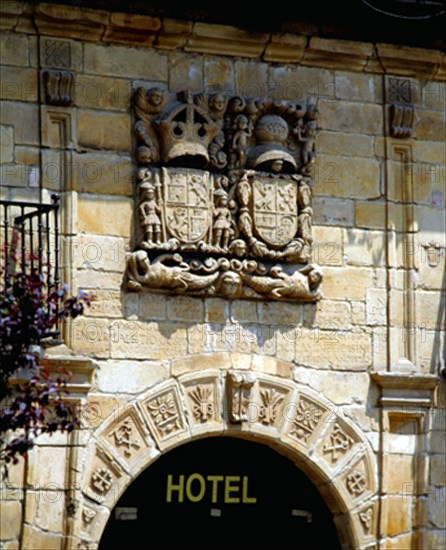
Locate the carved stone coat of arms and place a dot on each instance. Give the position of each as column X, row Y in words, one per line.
column 224, row 197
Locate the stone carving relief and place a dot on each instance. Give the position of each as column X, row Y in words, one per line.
column 402, row 113
column 164, row 412
column 124, row 437
column 203, row 403
column 307, row 417
column 340, row 443
column 240, row 388
column 271, row 400
column 356, row 483
column 366, row 517
column 224, row 197
column 57, row 53
column 58, row 86
column 88, row 515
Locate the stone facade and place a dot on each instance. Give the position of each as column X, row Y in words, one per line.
column 349, row 385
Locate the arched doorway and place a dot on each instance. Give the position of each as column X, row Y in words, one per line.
column 239, row 492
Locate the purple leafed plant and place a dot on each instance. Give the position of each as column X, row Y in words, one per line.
column 31, row 397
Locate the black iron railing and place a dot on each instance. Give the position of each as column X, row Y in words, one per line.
column 29, row 243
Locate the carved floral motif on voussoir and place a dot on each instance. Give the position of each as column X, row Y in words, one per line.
column 123, row 437
column 203, row 406
column 165, row 414
column 339, row 443
column 270, row 403
column 306, row 419
column 239, row 387
column 224, row 197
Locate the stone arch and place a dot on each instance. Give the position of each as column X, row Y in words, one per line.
column 239, row 402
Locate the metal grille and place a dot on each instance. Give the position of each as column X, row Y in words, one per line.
column 29, row 242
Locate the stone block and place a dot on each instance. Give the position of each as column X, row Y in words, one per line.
column 24, row 117
column 363, row 247
column 148, row 341
column 401, row 542
column 430, row 125
column 107, row 174
column 195, row 363
column 96, row 92
column 376, row 306
column 6, row 144
column 105, row 215
column 243, row 311
column 399, row 474
column 185, row 308
column 18, row 84
column 433, row 95
column 152, row 306
column 399, row 516
column 125, row 62
column 226, row 40
column 331, row 211
column 428, row 309
column 361, row 118
column 285, row 48
column 45, row 509
column 104, row 130
column 40, row 540
column 14, row 49
column 93, row 279
column 185, row 72
column 251, row 78
column 435, row 539
column 279, row 313
column 347, row 177
column 338, row 143
column 437, row 508
column 106, row 303
column 216, row 310
column 27, row 155
column 355, row 86
column 351, row 283
column 10, row 519
column 131, row 28
column 218, row 74
column 173, row 34
column 437, row 469
column 297, row 83
column 331, row 347
column 130, row 376
column 91, row 336
column 338, row 53
column 370, row 214
column 328, row 246
column 330, row 316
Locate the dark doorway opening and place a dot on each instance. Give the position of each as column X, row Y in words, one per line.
column 221, row 492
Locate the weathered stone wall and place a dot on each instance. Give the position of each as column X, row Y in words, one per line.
column 379, row 235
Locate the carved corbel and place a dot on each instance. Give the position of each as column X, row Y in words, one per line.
column 239, row 388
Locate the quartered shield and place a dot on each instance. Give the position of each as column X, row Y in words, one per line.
column 275, row 209
column 187, row 203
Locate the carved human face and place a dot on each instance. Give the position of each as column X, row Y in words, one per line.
column 156, row 96
column 277, row 165
column 230, row 283
column 217, row 102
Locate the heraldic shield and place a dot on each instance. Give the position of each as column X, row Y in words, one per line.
column 275, row 209
column 187, row 203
